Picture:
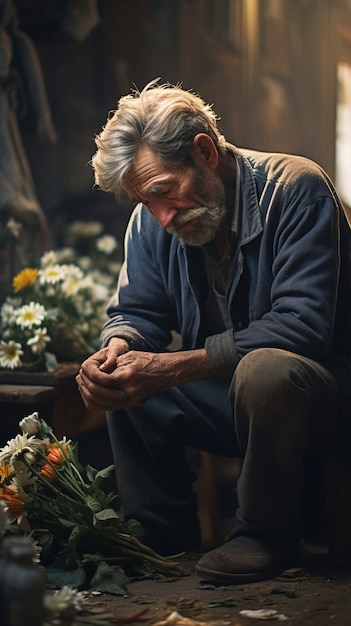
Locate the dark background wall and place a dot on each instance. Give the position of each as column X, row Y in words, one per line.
column 268, row 66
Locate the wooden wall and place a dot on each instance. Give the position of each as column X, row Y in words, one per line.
column 271, row 75
column 268, row 66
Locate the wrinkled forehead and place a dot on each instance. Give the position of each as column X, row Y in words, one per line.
column 147, row 170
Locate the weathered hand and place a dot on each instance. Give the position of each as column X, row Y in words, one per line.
column 133, row 377
column 142, row 375
column 94, row 381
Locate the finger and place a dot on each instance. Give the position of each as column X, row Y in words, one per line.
column 95, row 359
column 103, row 385
column 96, row 396
column 95, row 387
column 109, row 365
column 95, row 377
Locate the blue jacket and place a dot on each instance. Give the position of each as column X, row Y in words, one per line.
column 289, row 286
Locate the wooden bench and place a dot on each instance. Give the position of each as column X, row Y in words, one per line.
column 54, row 395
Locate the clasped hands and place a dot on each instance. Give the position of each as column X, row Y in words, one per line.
column 115, row 378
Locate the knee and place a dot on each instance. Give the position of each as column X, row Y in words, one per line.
column 269, row 375
column 271, row 399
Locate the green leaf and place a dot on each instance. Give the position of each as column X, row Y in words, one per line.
column 45, row 541
column 107, row 514
column 105, row 472
column 66, row 522
column 71, row 547
column 96, row 476
column 59, row 577
column 105, row 498
column 93, row 503
column 46, row 430
column 91, row 473
column 74, row 453
column 109, row 579
column 84, row 511
column 50, row 362
column 135, row 528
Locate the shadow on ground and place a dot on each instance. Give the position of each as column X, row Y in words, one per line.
column 313, row 593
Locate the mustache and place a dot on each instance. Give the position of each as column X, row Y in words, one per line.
column 188, row 215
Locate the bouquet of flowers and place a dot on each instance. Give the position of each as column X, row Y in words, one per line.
column 57, row 309
column 82, row 539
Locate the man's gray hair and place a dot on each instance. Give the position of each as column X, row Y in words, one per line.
column 164, row 117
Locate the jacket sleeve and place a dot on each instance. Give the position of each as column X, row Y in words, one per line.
column 296, row 287
column 140, row 311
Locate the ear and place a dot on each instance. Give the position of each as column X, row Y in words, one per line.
column 205, row 151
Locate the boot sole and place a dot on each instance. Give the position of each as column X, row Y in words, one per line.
column 232, row 578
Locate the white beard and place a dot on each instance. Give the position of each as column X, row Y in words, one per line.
column 208, row 218
column 208, row 222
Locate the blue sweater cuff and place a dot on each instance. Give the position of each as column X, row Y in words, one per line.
column 222, row 355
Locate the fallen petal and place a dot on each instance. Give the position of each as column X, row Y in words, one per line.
column 264, row 614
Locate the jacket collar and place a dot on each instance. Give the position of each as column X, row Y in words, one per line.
column 249, row 209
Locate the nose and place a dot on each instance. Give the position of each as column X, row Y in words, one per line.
column 165, row 215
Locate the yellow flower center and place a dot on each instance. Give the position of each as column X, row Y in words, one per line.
column 28, row 315
column 11, row 352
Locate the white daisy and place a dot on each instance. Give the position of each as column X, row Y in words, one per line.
column 85, row 263
column 52, row 274
column 106, row 244
column 39, row 340
column 100, row 277
column 65, row 255
column 73, row 271
column 19, row 446
column 10, row 354
column 72, row 283
column 37, row 551
column 87, row 282
column 29, row 315
column 14, row 301
column 65, row 601
column 70, row 287
column 101, row 292
column 9, row 310
column 49, row 258
column 21, row 479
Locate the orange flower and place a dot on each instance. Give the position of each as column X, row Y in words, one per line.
column 14, row 503
column 48, row 472
column 56, row 457
column 25, row 278
column 58, row 454
column 5, row 472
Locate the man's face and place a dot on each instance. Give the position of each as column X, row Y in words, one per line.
column 189, row 203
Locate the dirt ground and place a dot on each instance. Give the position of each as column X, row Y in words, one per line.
column 313, row 594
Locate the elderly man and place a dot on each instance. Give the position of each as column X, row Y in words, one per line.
column 246, row 255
